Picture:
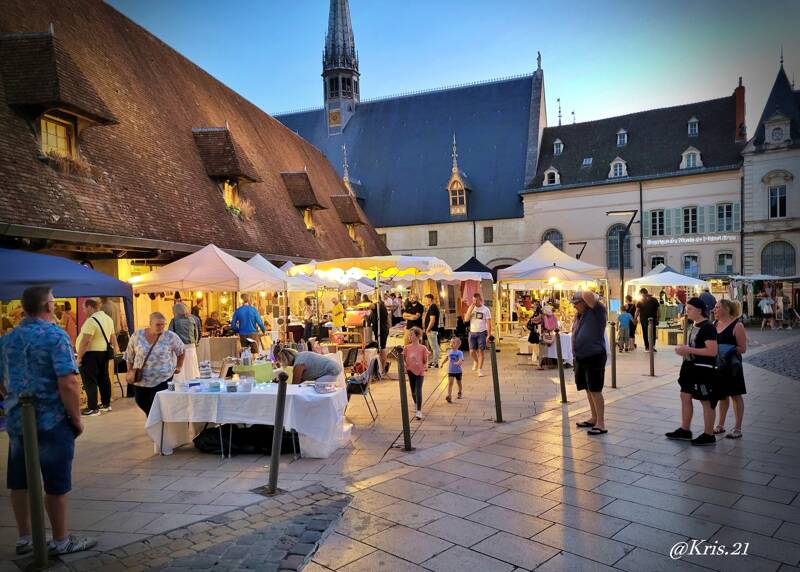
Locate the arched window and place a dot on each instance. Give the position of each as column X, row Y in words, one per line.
column 555, row 237
column 778, row 259
column 612, row 247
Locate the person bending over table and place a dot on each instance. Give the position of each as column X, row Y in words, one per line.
column 309, row 366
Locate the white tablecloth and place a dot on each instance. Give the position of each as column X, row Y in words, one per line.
column 318, row 418
column 566, row 350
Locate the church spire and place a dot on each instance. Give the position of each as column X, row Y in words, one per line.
column 455, row 154
column 340, row 75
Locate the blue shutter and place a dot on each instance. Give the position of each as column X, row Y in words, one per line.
column 646, row 224
column 712, row 218
column 677, row 222
column 668, row 222
column 701, row 220
column 737, row 215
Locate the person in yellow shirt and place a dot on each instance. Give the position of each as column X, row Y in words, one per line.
column 337, row 315
column 97, row 334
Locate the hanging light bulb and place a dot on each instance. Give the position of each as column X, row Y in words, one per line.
column 263, row 294
column 199, row 295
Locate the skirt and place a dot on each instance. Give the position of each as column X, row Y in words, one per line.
column 191, row 369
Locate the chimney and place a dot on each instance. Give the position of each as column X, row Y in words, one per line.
column 741, row 129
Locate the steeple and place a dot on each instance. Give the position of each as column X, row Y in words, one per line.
column 454, row 154
column 340, row 68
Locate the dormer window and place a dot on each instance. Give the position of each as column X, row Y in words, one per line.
column 776, row 130
column 230, row 193
column 691, row 159
column 622, row 138
column 308, row 218
column 587, row 162
column 558, row 147
column 693, row 127
column 458, row 200
column 57, row 136
column 618, row 168
column 551, row 177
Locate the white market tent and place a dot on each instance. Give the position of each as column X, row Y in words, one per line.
column 292, row 284
column 545, row 257
column 210, row 269
column 663, row 275
column 454, row 277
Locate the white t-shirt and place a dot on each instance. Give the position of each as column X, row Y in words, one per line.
column 480, row 315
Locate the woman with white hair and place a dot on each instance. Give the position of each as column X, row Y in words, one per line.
column 185, row 326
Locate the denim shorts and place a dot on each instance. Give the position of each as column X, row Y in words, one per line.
column 56, row 451
column 477, row 340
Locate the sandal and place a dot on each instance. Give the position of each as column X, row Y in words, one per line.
column 459, row 395
column 597, row 431
column 719, row 429
column 448, row 399
column 585, row 424
column 735, row 434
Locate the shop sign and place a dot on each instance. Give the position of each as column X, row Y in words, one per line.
column 683, row 240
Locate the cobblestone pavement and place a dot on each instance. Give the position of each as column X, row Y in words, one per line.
column 279, row 533
column 781, row 355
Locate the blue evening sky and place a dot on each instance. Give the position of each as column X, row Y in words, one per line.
column 601, row 58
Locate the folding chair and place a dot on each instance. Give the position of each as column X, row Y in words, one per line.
column 362, row 388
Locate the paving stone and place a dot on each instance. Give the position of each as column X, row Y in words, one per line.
column 406, row 490
column 454, row 504
column 760, row 545
column 572, row 479
column 737, row 518
column 648, row 497
column 380, row 561
column 522, row 502
column 408, row 514
column 515, row 550
column 475, row 489
column 458, row 530
column 566, row 562
column 789, row 531
column 688, row 490
column 770, row 509
column 583, row 543
column 662, row 519
column 727, row 472
column 580, row 498
column 358, row 524
column 640, row 559
column 338, row 551
column 406, row 543
column 509, row 521
column 528, row 485
column 471, row 470
column 459, row 559
column 585, row 520
column 652, row 539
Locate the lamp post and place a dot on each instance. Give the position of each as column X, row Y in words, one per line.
column 621, row 237
column 582, row 244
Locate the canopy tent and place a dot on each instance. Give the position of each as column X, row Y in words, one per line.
column 663, row 275
column 69, row 279
column 454, row 277
column 381, row 268
column 474, row 265
column 554, row 276
column 762, row 277
column 546, row 256
column 209, row 269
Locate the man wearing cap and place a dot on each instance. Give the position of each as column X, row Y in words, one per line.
column 589, row 351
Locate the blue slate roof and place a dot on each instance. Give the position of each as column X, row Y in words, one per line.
column 399, row 150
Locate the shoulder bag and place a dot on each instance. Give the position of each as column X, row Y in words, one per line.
column 109, row 347
column 136, row 373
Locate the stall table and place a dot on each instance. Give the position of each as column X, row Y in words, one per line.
column 177, row 417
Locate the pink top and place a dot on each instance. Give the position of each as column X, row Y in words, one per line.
column 415, row 357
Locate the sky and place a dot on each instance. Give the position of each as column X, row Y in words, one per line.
column 600, row 58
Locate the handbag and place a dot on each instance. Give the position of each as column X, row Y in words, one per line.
column 704, row 381
column 135, row 375
column 109, row 347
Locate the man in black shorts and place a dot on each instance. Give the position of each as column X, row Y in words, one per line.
column 589, row 356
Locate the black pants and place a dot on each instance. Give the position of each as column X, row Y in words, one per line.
column 646, row 333
column 94, row 373
column 144, row 396
column 415, row 381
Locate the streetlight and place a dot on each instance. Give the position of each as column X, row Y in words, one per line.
column 582, row 244
column 621, row 236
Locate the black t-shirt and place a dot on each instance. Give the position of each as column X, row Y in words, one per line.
column 432, row 312
column 648, row 309
column 414, row 308
column 698, row 336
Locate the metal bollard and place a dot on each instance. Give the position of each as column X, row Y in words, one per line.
column 561, row 381
column 401, row 375
column 613, row 354
column 685, row 331
column 498, row 406
column 651, row 330
column 33, row 471
column 277, row 435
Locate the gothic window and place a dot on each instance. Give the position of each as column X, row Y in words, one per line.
column 693, row 127
column 724, row 217
column 778, row 259
column 333, row 86
column 657, row 227
column 777, row 201
column 690, row 220
column 612, row 247
column 555, row 237
column 57, row 136
column 691, row 265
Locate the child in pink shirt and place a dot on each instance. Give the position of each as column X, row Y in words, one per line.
column 415, row 358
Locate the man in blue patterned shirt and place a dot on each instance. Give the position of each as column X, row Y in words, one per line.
column 36, row 358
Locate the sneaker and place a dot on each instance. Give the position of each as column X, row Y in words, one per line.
column 24, row 546
column 680, row 433
column 704, row 439
column 418, row 415
column 90, row 412
column 480, row 373
column 105, row 409
column 71, row 545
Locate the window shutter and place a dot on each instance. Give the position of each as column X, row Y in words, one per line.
column 712, row 218
column 737, row 224
column 668, row 222
column 701, row 220
column 646, row 223
column 677, row 223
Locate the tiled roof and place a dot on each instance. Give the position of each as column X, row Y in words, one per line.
column 399, row 150
column 656, row 139
column 301, row 191
column 39, row 74
column 347, row 209
column 149, row 181
column 221, row 156
column 781, row 99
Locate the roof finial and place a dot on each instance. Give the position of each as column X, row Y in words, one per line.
column 51, row 29
column 455, row 154
column 559, row 111
column 538, row 60
column 781, row 55
column 573, row 116
column 345, row 165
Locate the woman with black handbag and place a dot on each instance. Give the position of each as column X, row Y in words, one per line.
column 698, row 376
column 732, row 341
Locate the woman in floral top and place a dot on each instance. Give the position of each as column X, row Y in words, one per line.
column 164, row 361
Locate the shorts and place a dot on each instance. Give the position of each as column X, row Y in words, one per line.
column 477, row 340
column 456, row 376
column 56, row 451
column 590, row 372
column 700, row 382
column 384, row 337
